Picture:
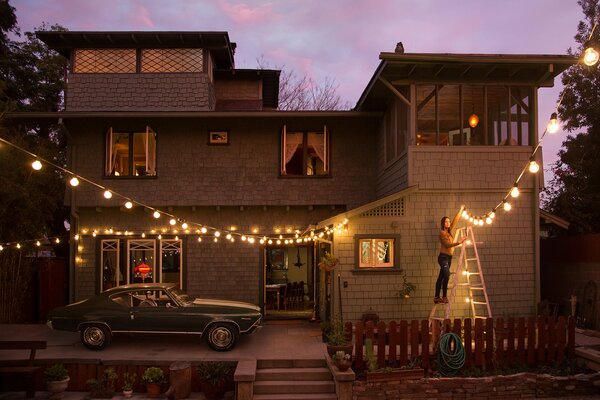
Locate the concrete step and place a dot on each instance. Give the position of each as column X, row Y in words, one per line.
column 291, row 363
column 293, row 387
column 291, row 374
column 298, row 396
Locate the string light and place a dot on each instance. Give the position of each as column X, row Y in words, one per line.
column 553, row 125
column 590, row 56
column 506, row 206
column 128, row 205
column 74, row 181
column 156, row 214
column 36, row 165
column 107, row 194
column 533, row 166
column 514, row 192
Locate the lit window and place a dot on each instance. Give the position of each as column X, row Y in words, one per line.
column 172, row 60
column 130, row 153
column 304, row 153
column 104, row 61
column 376, row 253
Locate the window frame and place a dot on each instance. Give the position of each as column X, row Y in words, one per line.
column 305, row 132
column 395, row 266
column 150, row 162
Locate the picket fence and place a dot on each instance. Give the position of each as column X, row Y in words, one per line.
column 529, row 341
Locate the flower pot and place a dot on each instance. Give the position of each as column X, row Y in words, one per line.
column 343, row 365
column 213, row 391
column 346, row 348
column 127, row 393
column 57, row 388
column 153, row 390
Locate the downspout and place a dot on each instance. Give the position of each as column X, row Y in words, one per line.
column 536, row 205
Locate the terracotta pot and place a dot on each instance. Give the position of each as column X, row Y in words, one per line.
column 343, row 365
column 127, row 393
column 57, row 388
column 153, row 390
column 211, row 391
column 331, row 349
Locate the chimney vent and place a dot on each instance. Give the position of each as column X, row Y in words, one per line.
column 399, row 48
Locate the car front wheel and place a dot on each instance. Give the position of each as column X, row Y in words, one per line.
column 221, row 336
column 95, row 337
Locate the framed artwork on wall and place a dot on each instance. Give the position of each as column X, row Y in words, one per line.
column 218, row 137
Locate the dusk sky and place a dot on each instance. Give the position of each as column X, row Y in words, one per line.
column 339, row 39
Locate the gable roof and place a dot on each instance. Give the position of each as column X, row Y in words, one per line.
column 218, row 43
column 404, row 68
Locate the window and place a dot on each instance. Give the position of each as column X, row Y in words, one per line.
column 377, row 252
column 170, row 262
column 104, row 61
column 395, row 125
column 171, row 60
column 111, row 272
column 140, row 261
column 304, row 153
column 130, row 153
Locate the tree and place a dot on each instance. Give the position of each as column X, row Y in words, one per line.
column 303, row 93
column 31, row 203
column 574, row 193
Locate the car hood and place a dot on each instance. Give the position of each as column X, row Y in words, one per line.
column 225, row 303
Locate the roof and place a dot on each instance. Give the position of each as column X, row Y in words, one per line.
column 553, row 219
column 270, row 82
column 218, row 43
column 405, row 68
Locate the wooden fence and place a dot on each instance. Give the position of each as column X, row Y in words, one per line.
column 487, row 343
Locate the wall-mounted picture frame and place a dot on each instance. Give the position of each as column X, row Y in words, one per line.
column 218, row 137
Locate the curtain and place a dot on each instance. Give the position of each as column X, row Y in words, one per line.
column 293, row 140
column 315, row 140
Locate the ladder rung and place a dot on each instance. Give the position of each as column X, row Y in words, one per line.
column 476, row 287
column 462, row 284
column 479, row 316
column 473, row 273
column 479, row 302
column 472, row 259
column 438, row 318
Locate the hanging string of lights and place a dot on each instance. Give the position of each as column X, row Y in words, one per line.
column 177, row 225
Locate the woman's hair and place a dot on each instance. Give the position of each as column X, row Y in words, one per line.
column 442, row 224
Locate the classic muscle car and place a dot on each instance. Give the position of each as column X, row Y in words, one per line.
column 155, row 308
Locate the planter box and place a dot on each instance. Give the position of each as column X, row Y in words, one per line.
column 395, row 375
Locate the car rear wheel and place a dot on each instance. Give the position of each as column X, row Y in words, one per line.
column 95, row 337
column 221, row 336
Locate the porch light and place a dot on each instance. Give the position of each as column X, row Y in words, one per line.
column 36, row 165
column 506, row 206
column 107, row 194
column 553, row 124
column 74, row 181
column 473, row 120
column 533, row 166
column 156, row 214
column 590, row 56
column 514, row 192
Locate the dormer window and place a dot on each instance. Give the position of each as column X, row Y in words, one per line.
column 130, row 154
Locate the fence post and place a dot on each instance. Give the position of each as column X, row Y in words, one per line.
column 358, row 346
column 468, row 341
column 381, row 344
column 424, row 344
column 489, row 342
column 571, row 338
column 393, row 341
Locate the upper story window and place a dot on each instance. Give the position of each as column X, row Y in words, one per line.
column 105, row 61
column 395, row 125
column 130, row 61
column 130, row 153
column 304, row 153
column 377, row 252
column 504, row 115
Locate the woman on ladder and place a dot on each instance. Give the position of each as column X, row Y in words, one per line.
column 447, row 245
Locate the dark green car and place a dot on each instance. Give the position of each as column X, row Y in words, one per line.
column 155, row 308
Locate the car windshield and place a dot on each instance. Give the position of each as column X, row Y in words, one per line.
column 182, row 297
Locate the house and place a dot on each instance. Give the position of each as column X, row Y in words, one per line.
column 166, row 123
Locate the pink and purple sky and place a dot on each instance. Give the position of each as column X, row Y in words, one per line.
column 340, row 39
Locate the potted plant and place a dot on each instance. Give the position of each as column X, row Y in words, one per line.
column 128, row 382
column 154, row 377
column 407, row 288
column 342, row 360
column 214, row 377
column 57, row 380
column 103, row 387
column 336, row 339
column 328, row 262
column 325, row 330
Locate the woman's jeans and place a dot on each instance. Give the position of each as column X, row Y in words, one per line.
column 442, row 281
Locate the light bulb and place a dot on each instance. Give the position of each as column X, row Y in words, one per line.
column 488, row 220
column 217, row 233
column 203, row 230
column 107, row 194
column 270, row 241
column 244, row 238
column 507, row 206
column 465, row 214
column 199, row 239
column 172, row 221
column 57, row 240
column 184, row 225
column 493, row 214
column 38, row 244
column 467, row 300
column 228, row 236
column 473, row 120
column 128, row 205
column 553, row 124
column 251, row 240
column 514, row 192
column 262, row 241
column 74, row 181
column 156, row 214
column 37, row 165
column 533, row 167
column 590, row 56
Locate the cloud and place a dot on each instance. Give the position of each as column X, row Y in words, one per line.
column 243, row 13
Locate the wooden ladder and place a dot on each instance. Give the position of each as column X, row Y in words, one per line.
column 469, row 267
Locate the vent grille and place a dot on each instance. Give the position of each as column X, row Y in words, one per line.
column 172, row 60
column 98, row 61
column 392, row 209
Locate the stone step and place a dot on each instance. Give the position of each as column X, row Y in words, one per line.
column 298, row 363
column 298, row 396
column 293, row 387
column 291, row 374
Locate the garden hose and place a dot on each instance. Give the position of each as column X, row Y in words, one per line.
column 449, row 361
